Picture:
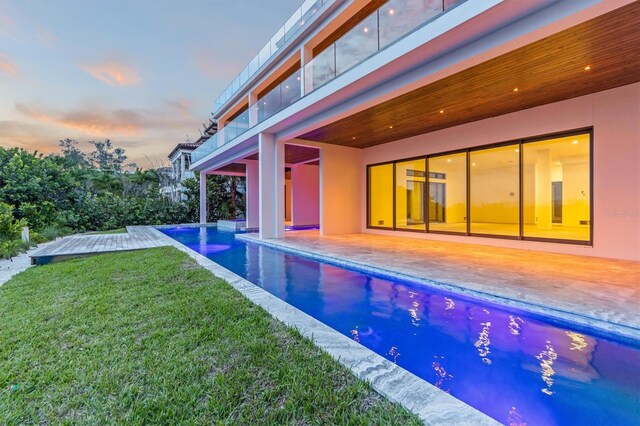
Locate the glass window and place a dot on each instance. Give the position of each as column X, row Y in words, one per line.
column 410, row 194
column 448, row 193
column 494, row 191
column 556, row 188
column 381, row 196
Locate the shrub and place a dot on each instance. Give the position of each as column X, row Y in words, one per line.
column 52, row 232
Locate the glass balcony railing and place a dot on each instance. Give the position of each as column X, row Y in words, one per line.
column 389, row 23
column 280, row 97
column 297, row 21
column 237, row 126
column 206, row 148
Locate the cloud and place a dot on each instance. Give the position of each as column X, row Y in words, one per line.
column 147, row 134
column 113, row 72
column 97, row 120
column 7, row 66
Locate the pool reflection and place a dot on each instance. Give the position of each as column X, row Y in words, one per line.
column 515, row 367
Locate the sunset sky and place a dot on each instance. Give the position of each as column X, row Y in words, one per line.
column 144, row 73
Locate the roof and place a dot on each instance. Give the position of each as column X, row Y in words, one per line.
column 209, row 130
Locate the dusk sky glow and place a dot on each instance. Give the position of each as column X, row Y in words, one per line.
column 143, row 73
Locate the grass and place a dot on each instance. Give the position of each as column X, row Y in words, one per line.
column 111, row 231
column 150, row 337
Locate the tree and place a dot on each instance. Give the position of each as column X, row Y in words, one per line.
column 225, row 197
column 72, row 154
column 107, row 158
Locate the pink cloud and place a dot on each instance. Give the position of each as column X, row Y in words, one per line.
column 114, row 73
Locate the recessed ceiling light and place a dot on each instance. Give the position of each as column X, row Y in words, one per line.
column 575, row 142
column 473, row 164
column 517, row 150
column 515, row 89
column 587, row 68
column 391, row 11
column 366, row 29
column 391, row 127
column 441, row 111
column 448, row 160
column 354, row 138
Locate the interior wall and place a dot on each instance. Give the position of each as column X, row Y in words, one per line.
column 305, row 195
column 287, row 199
column 613, row 114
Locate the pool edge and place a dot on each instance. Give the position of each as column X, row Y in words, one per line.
column 428, row 402
column 620, row 331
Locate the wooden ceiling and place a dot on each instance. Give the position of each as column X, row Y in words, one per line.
column 294, row 154
column 233, row 168
column 549, row 70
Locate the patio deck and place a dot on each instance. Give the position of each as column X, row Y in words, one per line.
column 593, row 291
column 137, row 238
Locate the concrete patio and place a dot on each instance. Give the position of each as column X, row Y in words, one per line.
column 584, row 289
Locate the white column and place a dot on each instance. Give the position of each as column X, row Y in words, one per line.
column 203, row 197
column 182, row 167
column 253, row 194
column 340, row 190
column 271, row 183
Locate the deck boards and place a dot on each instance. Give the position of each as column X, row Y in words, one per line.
column 137, row 238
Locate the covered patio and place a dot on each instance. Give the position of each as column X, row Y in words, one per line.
column 603, row 293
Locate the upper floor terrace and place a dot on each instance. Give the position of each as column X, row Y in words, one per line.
column 321, row 41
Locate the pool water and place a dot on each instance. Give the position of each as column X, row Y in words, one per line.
column 516, row 367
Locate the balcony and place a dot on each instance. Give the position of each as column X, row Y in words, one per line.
column 388, row 24
column 283, row 95
column 297, row 21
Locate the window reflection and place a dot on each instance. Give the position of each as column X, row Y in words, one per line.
column 546, row 184
column 494, row 191
column 556, row 193
column 448, row 193
column 410, row 194
column 381, row 196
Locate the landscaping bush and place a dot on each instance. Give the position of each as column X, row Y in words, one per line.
column 76, row 192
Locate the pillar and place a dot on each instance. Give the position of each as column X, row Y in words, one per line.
column 271, row 184
column 203, row 197
column 253, row 194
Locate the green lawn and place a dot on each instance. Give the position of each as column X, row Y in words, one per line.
column 111, row 231
column 150, row 337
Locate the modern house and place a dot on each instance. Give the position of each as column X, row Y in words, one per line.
column 180, row 158
column 495, row 122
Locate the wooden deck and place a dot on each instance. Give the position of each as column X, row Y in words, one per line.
column 137, row 238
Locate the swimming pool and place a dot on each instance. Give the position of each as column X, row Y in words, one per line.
column 516, row 367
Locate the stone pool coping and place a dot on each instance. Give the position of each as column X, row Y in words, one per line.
column 431, row 404
column 561, row 313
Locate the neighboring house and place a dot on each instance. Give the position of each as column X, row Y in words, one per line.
column 502, row 123
column 180, row 158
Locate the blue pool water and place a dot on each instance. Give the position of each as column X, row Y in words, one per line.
column 516, row 367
